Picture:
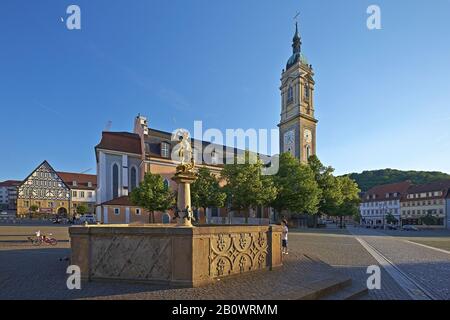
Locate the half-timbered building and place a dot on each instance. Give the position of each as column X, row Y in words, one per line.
column 44, row 189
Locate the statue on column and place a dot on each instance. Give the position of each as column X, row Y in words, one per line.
column 184, row 176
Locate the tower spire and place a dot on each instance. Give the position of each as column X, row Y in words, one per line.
column 296, row 41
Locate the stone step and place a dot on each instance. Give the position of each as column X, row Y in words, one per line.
column 343, row 288
column 351, row 292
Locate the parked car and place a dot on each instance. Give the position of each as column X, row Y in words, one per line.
column 409, row 228
column 89, row 218
column 389, row 227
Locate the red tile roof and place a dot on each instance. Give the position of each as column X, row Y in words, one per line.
column 120, row 141
column 10, row 183
column 380, row 192
column 81, row 179
column 121, row 201
column 442, row 185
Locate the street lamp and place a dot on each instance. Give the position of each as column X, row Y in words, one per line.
column 384, row 210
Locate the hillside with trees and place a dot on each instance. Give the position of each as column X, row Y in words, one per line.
column 369, row 179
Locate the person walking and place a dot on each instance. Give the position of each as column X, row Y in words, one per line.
column 284, row 236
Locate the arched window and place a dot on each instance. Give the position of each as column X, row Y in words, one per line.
column 308, row 152
column 133, row 177
column 306, row 92
column 115, row 179
column 290, row 97
column 166, row 184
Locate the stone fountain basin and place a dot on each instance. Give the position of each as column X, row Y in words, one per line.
column 173, row 255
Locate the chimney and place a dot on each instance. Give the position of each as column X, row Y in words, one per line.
column 141, row 126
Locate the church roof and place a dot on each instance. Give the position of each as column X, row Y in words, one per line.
column 120, row 141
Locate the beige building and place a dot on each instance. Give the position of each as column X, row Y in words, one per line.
column 426, row 204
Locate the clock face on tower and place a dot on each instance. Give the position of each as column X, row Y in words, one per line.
column 289, row 142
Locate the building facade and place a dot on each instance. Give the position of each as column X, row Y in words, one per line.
column 55, row 193
column 298, row 123
column 8, row 195
column 44, row 189
column 426, row 205
column 447, row 210
column 82, row 190
column 124, row 158
column 381, row 201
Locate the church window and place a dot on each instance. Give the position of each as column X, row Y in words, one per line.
column 308, row 152
column 290, row 97
column 115, row 178
column 133, row 178
column 165, row 150
column 306, row 92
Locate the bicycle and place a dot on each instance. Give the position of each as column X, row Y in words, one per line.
column 42, row 239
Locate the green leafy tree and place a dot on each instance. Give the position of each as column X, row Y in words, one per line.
column 350, row 199
column 82, row 209
column 206, row 191
column 297, row 189
column 33, row 210
column 390, row 219
column 153, row 195
column 429, row 219
column 368, row 179
column 245, row 186
column 331, row 195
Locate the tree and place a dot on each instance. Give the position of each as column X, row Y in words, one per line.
column 331, row 196
column 82, row 209
column 206, row 191
column 246, row 187
column 349, row 191
column 153, row 195
column 33, row 210
column 390, row 219
column 297, row 189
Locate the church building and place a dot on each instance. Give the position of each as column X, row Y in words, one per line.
column 123, row 158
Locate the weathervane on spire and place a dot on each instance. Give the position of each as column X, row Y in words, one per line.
column 296, row 17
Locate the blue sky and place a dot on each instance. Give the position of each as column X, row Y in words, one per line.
column 382, row 97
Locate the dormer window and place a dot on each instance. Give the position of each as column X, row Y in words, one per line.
column 74, row 183
column 89, row 184
column 165, row 150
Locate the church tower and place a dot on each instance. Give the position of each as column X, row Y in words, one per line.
column 298, row 124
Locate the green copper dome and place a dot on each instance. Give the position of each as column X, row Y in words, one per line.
column 296, row 57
